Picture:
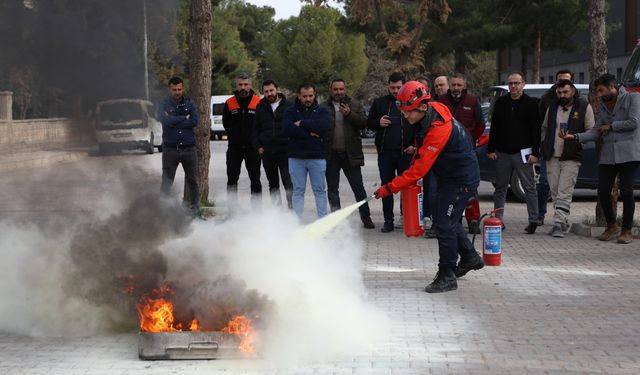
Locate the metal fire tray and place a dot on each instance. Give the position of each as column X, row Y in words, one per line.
column 188, row 345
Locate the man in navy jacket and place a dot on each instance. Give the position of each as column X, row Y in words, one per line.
column 306, row 124
column 179, row 117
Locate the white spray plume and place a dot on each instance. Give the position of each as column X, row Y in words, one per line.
column 316, row 285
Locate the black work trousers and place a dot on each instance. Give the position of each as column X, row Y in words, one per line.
column 452, row 199
column 188, row 157
column 606, row 178
column 391, row 163
column 276, row 167
column 338, row 160
column 235, row 156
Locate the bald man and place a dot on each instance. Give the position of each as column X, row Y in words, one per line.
column 441, row 85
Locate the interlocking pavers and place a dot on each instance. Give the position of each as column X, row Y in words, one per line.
column 555, row 306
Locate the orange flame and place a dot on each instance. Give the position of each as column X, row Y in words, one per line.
column 241, row 326
column 156, row 314
column 194, row 326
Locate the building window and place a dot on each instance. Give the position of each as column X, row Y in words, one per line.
column 550, row 79
column 581, row 79
column 542, row 79
column 619, row 74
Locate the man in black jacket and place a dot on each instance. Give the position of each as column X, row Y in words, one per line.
column 395, row 140
column 271, row 142
column 344, row 147
column 237, row 119
column 514, row 142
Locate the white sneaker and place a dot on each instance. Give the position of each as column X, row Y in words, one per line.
column 557, row 231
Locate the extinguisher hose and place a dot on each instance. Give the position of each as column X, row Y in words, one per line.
column 473, row 240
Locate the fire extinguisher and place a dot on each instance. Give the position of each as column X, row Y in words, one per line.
column 491, row 238
column 411, row 198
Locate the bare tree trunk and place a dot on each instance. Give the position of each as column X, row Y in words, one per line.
column 200, row 85
column 537, row 51
column 460, row 61
column 597, row 67
column 523, row 63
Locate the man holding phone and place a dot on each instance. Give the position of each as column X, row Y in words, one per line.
column 395, row 139
column 569, row 113
column 344, row 147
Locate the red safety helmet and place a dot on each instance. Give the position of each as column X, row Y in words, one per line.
column 410, row 96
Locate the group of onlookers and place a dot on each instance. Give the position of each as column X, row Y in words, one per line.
column 297, row 138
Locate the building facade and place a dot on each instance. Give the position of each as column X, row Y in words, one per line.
column 623, row 17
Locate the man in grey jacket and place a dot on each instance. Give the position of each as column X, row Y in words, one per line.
column 618, row 125
column 344, row 147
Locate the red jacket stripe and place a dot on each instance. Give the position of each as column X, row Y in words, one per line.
column 434, row 142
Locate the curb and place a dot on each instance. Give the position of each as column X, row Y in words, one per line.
column 589, row 231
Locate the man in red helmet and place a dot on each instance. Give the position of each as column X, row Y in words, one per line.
column 445, row 147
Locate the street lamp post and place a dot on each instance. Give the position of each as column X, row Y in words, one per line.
column 146, row 63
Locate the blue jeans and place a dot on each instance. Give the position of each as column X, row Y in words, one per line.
column 316, row 168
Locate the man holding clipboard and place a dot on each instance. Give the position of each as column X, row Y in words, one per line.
column 514, row 143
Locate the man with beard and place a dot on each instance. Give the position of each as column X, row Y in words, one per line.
column 179, row 116
column 394, row 142
column 344, row 147
column 271, row 142
column 306, row 124
column 465, row 107
column 542, row 187
column 618, row 127
column 237, row 119
column 564, row 157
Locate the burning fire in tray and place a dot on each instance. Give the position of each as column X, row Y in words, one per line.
column 156, row 314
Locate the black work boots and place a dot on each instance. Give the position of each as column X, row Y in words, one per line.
column 445, row 281
column 467, row 264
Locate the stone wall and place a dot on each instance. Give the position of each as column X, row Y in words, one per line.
column 40, row 134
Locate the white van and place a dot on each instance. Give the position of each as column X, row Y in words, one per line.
column 127, row 124
column 217, row 106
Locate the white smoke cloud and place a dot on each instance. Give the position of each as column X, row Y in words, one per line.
column 33, row 300
column 315, row 287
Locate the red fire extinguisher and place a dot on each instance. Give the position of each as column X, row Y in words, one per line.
column 491, row 238
column 412, row 210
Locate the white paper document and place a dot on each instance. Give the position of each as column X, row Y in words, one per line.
column 525, row 152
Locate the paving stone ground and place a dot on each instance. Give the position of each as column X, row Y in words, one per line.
column 555, row 306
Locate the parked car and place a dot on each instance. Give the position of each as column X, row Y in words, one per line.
column 631, row 76
column 127, row 124
column 217, row 106
column 588, row 174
